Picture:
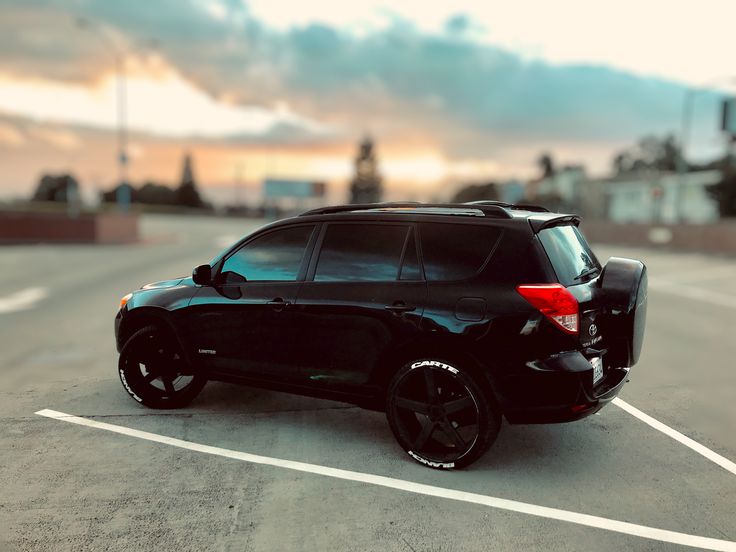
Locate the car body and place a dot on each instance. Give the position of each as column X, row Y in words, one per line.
column 334, row 302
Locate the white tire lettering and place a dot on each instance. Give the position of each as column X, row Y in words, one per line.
column 429, row 463
column 127, row 387
column 436, row 363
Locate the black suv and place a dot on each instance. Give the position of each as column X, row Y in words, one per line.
column 445, row 316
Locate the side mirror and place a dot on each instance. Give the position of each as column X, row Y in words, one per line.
column 202, row 275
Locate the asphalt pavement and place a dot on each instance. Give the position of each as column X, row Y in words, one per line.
column 65, row 486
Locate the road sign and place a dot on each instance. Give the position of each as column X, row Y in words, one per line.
column 281, row 188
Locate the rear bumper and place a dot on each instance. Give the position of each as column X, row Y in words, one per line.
column 560, row 389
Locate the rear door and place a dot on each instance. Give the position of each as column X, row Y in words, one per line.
column 578, row 269
column 364, row 292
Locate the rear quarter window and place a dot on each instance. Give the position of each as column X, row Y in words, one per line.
column 569, row 253
column 455, row 251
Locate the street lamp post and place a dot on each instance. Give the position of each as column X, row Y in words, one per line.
column 122, row 194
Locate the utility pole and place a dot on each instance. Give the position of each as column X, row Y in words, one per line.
column 685, row 129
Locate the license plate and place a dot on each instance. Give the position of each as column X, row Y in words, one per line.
column 597, row 364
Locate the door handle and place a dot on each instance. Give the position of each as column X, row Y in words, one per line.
column 399, row 307
column 278, row 303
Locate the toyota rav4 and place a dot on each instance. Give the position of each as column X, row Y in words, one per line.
column 447, row 317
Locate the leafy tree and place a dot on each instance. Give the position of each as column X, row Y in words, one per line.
column 156, row 194
column 547, row 165
column 651, row 153
column 61, row 188
column 476, row 192
column 724, row 193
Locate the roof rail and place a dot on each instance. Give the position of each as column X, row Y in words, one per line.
column 519, row 206
column 357, row 207
column 486, row 210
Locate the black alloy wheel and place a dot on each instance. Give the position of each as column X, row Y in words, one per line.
column 440, row 415
column 154, row 372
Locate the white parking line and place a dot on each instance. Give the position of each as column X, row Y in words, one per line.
column 725, row 463
column 624, row 527
column 22, row 300
column 690, row 292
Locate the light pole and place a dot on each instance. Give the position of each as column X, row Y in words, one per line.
column 686, row 124
column 122, row 193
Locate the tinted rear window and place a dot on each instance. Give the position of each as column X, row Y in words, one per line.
column 569, row 254
column 360, row 253
column 455, row 251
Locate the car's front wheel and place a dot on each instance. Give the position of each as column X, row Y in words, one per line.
column 440, row 415
column 154, row 372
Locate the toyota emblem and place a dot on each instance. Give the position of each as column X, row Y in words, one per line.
column 592, row 330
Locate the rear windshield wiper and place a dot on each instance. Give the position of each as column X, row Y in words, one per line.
column 585, row 273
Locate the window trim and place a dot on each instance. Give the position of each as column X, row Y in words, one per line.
column 484, row 264
column 412, row 234
column 306, row 255
column 317, row 251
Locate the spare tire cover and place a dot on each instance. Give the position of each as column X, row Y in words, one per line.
column 624, row 283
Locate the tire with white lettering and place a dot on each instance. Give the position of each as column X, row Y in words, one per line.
column 154, row 372
column 440, row 415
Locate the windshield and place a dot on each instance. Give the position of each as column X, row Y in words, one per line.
column 571, row 258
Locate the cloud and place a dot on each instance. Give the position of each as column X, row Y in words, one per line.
column 473, row 96
column 11, row 136
column 160, row 102
column 61, row 139
column 400, row 82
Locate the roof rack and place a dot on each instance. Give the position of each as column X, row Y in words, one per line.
column 490, row 209
column 516, row 206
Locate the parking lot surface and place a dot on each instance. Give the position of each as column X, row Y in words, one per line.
column 67, row 486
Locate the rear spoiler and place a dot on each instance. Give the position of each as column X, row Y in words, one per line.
column 541, row 221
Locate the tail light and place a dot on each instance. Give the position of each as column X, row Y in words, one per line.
column 555, row 302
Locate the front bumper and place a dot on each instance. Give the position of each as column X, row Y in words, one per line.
column 561, row 389
column 118, row 320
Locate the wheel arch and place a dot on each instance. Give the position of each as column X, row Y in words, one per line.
column 141, row 317
column 439, row 348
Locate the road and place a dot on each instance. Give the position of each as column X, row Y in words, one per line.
column 69, row 487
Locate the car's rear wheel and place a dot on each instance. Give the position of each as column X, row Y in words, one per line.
column 440, row 415
column 154, row 372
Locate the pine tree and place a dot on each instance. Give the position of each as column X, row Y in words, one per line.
column 187, row 193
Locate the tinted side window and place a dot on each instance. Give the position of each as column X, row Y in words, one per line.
column 360, row 253
column 455, row 251
column 274, row 256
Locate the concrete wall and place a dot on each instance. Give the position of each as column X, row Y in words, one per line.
column 40, row 227
column 719, row 237
column 116, row 228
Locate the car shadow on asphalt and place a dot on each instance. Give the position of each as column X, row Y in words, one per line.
column 556, row 449
column 527, row 462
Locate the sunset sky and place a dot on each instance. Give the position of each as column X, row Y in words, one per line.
column 452, row 92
